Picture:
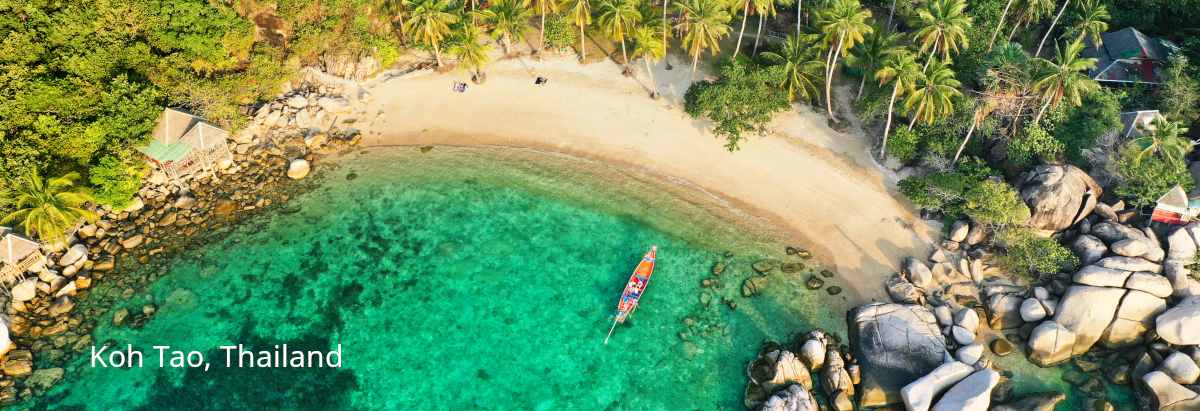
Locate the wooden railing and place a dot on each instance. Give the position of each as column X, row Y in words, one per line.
column 11, row 273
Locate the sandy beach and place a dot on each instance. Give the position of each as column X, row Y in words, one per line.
column 820, row 185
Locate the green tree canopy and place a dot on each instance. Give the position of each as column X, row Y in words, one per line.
column 741, row 101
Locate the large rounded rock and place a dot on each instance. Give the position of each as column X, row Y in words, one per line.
column 1180, row 325
column 1058, row 196
column 1089, row 249
column 62, row 305
column 834, row 376
column 1032, row 310
column 896, row 344
column 958, row 231
column 335, row 105
column 918, row 273
column 1181, row 368
column 970, row 353
column 812, row 353
column 298, row 169
column 1050, row 343
column 973, row 393
column 1004, row 311
column 1169, row 394
column 968, row 319
column 788, row 370
column 76, row 253
column 1130, row 247
column 1134, row 317
column 24, row 291
column 1087, row 311
column 919, row 395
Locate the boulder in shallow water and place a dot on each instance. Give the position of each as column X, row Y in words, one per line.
column 1004, row 311
column 895, row 344
column 792, row 398
column 1087, row 311
column 1169, row 394
column 298, row 169
column 62, row 305
column 24, row 291
column 788, row 370
column 1038, row 401
column 834, row 376
column 1050, row 343
column 812, row 353
column 919, row 395
column 973, row 393
column 1181, row 368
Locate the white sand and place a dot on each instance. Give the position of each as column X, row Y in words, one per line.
column 818, row 184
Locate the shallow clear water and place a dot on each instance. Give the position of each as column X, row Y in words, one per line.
column 466, row 279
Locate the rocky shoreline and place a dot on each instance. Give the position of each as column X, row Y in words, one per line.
column 1122, row 326
column 108, row 263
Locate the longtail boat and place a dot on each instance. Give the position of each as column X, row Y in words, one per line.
column 634, row 289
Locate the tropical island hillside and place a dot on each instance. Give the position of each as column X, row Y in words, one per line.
column 1022, row 173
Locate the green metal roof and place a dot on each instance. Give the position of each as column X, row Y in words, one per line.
column 164, row 153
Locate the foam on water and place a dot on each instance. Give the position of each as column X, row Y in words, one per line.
column 465, row 279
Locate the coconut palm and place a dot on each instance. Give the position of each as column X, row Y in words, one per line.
column 844, row 23
column 983, row 107
column 1090, row 21
column 508, row 21
column 999, row 24
column 651, row 47
column 470, row 53
column 764, row 9
column 942, row 28
column 1064, row 78
column 744, row 6
column 1164, row 138
column 541, row 7
column 704, row 23
column 900, row 68
column 430, row 22
column 618, row 18
column 933, row 93
column 870, row 53
column 802, row 67
column 579, row 13
column 48, row 207
column 1030, row 11
column 1051, row 29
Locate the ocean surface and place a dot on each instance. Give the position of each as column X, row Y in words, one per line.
column 465, row 279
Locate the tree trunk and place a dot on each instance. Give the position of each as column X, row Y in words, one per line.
column 437, row 54
column 828, row 98
column 862, row 84
column 888, row 28
column 916, row 116
column 964, row 143
column 1051, row 29
column 1000, row 24
column 542, row 36
column 1016, row 26
column 799, row 5
column 745, row 9
column 651, row 73
column 695, row 61
column 582, row 51
column 888, row 126
column 626, row 57
column 666, row 45
column 504, row 43
column 758, row 36
column 1042, row 111
column 931, row 53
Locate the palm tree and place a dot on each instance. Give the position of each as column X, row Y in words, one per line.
column 870, row 53
column 982, row 109
column 1064, row 78
column 843, row 23
column 902, row 70
column 618, row 18
column 431, row 20
column 801, row 75
column 1090, row 21
column 1164, row 138
column 507, row 18
column 543, row 7
column 1051, row 29
column 651, row 47
column 933, row 94
column 943, row 27
column 999, row 24
column 579, row 13
column 470, row 53
column 48, row 207
column 744, row 6
column 763, row 8
column 705, row 22
column 1031, row 11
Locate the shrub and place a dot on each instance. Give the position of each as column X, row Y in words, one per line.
column 1024, row 150
column 995, row 203
column 116, row 180
column 1142, row 183
column 902, row 144
column 560, row 34
column 1027, row 254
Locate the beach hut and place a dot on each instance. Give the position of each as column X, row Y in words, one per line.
column 1175, row 207
column 1137, row 122
column 183, row 144
column 18, row 255
column 1127, row 55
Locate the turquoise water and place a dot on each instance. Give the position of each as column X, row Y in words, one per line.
column 465, row 279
